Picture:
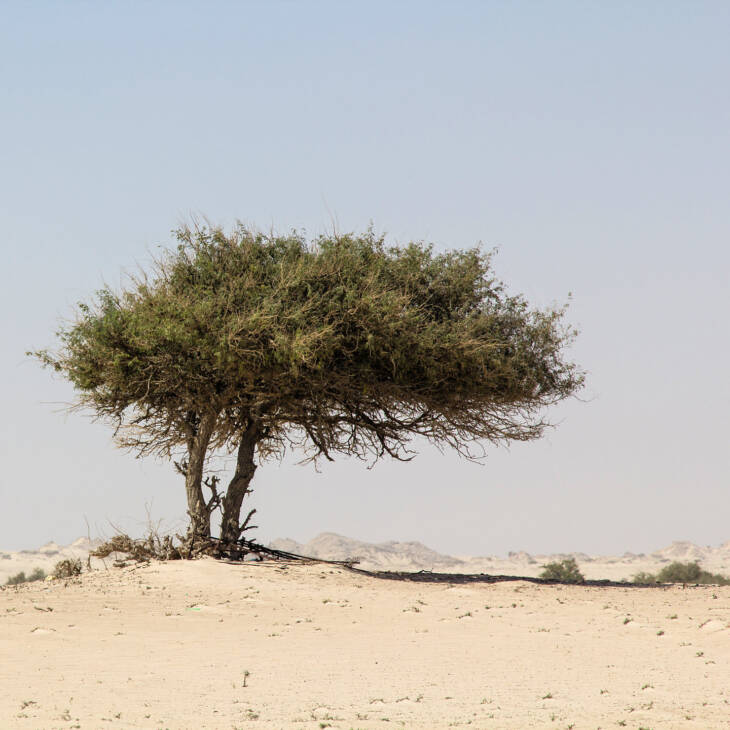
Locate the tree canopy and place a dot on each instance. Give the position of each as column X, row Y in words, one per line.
column 343, row 344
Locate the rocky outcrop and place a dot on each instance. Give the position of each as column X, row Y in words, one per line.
column 390, row 555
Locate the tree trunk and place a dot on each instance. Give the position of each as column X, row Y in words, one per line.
column 197, row 447
column 239, row 486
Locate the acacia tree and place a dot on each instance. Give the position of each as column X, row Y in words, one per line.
column 256, row 343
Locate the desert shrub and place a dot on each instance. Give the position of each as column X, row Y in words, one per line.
column 643, row 578
column 67, row 568
column 18, row 578
column 151, row 547
column 689, row 573
column 714, row 579
column 682, row 573
column 566, row 571
column 37, row 574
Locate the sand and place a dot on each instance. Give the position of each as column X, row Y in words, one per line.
column 170, row 645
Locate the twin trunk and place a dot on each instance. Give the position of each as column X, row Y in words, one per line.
column 198, row 509
column 197, row 449
column 239, row 486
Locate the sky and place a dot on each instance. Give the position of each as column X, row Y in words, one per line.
column 588, row 142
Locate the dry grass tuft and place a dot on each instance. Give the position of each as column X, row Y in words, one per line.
column 141, row 550
column 67, row 568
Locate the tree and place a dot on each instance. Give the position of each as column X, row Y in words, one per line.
column 256, row 343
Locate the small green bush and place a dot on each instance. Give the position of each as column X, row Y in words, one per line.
column 566, row 571
column 67, row 568
column 644, row 578
column 18, row 578
column 683, row 573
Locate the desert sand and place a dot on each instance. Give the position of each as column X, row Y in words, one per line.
column 204, row 644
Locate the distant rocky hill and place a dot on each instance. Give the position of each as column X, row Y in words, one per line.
column 413, row 556
column 383, row 556
column 44, row 557
column 416, row 556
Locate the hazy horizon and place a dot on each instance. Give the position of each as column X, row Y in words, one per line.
column 589, row 143
column 275, row 544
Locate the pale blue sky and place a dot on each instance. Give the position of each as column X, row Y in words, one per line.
column 589, row 141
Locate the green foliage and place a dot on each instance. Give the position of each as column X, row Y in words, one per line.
column 18, row 578
column 341, row 344
column 644, row 578
column 565, row 571
column 354, row 345
column 678, row 572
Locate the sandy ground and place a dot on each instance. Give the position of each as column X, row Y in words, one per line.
column 212, row 645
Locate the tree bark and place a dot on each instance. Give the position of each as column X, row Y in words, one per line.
column 197, row 447
column 239, row 486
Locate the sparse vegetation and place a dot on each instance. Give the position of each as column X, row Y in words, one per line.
column 141, row 550
column 21, row 577
column 565, row 571
column 678, row 572
column 644, row 578
column 62, row 569
column 67, row 568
